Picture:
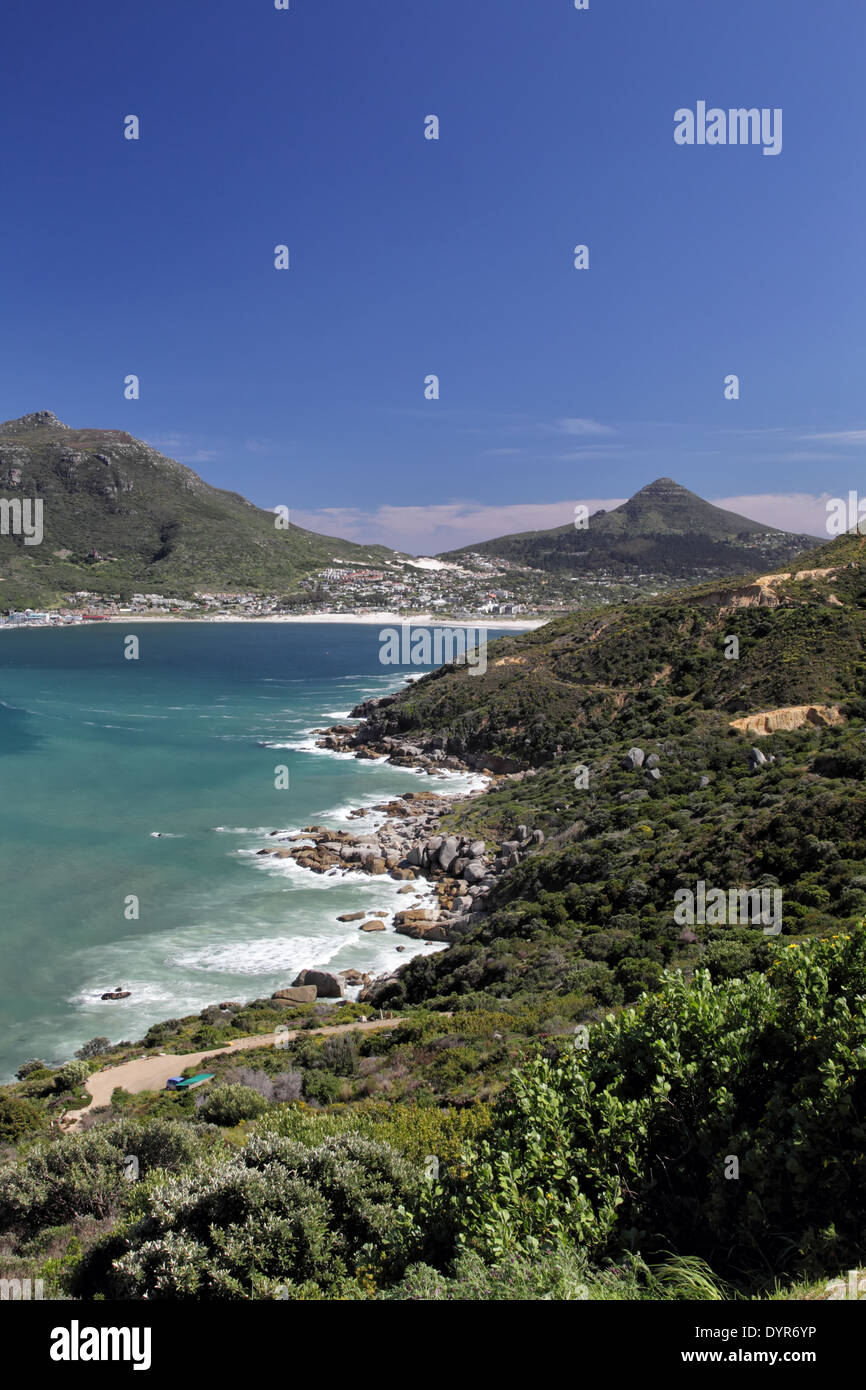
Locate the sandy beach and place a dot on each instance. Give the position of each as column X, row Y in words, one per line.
column 485, row 621
column 374, row 619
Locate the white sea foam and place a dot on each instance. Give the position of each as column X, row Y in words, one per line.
column 243, row 830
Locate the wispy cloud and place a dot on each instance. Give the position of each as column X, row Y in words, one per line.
column 185, row 448
column 579, row 426
column 836, row 437
column 447, row 526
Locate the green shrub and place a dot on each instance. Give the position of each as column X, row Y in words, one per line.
column 27, row 1068
column 18, row 1117
column 630, row 1140
column 84, row 1174
column 71, row 1076
column 229, row 1105
column 321, row 1086
column 277, row 1220
column 94, row 1048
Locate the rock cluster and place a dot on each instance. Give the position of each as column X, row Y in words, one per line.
column 636, row 757
column 407, row 844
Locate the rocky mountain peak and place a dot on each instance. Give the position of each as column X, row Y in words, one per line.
column 38, row 420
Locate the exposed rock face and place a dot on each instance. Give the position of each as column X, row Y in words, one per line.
column 302, row 994
column 327, row 986
column 788, row 717
column 379, row 737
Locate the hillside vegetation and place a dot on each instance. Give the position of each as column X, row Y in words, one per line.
column 118, row 516
column 585, row 1098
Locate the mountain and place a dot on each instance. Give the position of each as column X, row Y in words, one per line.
column 118, row 515
column 664, row 529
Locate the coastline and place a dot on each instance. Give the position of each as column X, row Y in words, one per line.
column 452, row 874
column 397, row 821
column 373, row 619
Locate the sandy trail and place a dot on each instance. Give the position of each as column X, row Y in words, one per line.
column 151, row 1073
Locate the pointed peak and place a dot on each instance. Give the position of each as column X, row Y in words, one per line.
column 660, row 485
column 38, row 420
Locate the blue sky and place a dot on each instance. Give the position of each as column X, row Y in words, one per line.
column 409, row 257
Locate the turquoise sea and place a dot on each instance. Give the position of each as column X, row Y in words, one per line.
column 99, row 753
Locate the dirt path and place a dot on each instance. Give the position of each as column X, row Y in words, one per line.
column 151, row 1073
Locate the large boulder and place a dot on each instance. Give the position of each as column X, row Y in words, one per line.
column 633, row 758
column 327, row 986
column 304, row 994
column 474, row 872
column 448, row 852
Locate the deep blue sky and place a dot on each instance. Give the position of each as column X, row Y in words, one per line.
column 410, row 257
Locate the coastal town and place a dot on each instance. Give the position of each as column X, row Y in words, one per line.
column 483, row 587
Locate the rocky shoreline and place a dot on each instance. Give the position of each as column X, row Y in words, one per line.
column 407, row 846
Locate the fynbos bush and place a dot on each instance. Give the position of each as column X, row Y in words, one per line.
column 276, row 1220
column 631, row 1141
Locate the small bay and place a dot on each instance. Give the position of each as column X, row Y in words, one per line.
column 155, row 778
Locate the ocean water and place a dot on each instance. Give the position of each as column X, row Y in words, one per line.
column 98, row 753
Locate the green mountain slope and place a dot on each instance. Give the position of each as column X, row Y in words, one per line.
column 801, row 640
column 119, row 515
column 585, row 920
column 664, row 529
